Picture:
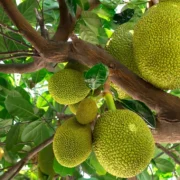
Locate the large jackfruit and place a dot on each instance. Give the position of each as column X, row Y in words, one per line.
column 68, row 86
column 86, row 111
column 45, row 160
column 123, row 143
column 156, row 43
column 121, row 47
column 72, row 143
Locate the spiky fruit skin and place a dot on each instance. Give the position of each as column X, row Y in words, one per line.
column 157, row 46
column 68, row 86
column 121, row 47
column 45, row 160
column 1, row 153
column 123, row 143
column 73, row 107
column 86, row 111
column 72, row 143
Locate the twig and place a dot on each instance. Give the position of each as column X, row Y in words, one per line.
column 18, row 56
column 19, row 42
column 39, row 43
column 170, row 154
column 9, row 28
column 15, row 52
column 23, row 68
column 160, row 154
column 17, row 167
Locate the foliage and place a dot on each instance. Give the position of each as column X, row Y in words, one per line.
column 28, row 113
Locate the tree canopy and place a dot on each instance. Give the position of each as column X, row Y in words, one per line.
column 39, row 38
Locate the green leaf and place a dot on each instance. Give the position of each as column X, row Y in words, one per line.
column 14, row 137
column 27, row 9
column 96, row 76
column 92, row 21
column 18, row 106
column 88, row 35
column 97, row 166
column 84, row 4
column 144, row 175
column 164, row 165
column 112, row 4
column 38, row 75
column 43, row 100
column 5, row 125
column 63, row 171
column 36, row 131
column 141, row 109
column 71, row 4
column 23, row 93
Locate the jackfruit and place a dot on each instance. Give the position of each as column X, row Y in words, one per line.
column 1, row 153
column 73, row 107
column 72, row 143
column 86, row 111
column 45, row 160
column 120, row 46
column 68, row 87
column 123, row 143
column 156, row 44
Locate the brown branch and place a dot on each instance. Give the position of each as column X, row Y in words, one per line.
column 17, row 167
column 170, row 154
column 23, row 25
column 23, row 68
column 66, row 24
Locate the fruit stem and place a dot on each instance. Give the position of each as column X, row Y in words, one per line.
column 110, row 101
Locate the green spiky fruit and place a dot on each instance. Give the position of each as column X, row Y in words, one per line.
column 123, row 143
column 72, row 143
column 86, row 111
column 121, row 47
column 157, row 46
column 73, row 107
column 45, row 160
column 68, row 86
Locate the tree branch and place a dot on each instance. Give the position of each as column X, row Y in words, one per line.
column 20, row 55
column 9, row 28
column 66, row 24
column 23, row 68
column 170, row 154
column 17, row 167
column 23, row 25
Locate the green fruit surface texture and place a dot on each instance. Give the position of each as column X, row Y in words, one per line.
column 45, row 160
column 156, row 44
column 123, row 143
column 86, row 111
column 68, row 86
column 72, row 143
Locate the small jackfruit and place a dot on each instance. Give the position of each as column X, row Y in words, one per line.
column 45, row 160
column 68, row 86
column 72, row 143
column 86, row 111
column 156, row 44
column 73, row 107
column 123, row 143
column 1, row 153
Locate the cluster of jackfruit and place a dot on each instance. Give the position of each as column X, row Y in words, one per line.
column 151, row 47
column 123, row 143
